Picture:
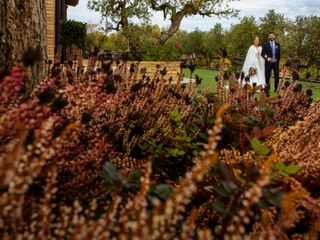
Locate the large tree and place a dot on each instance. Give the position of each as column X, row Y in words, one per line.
column 296, row 37
column 214, row 42
column 118, row 14
column 240, row 36
column 176, row 11
column 23, row 27
column 304, row 37
column 275, row 22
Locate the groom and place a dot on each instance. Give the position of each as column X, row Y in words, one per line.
column 271, row 54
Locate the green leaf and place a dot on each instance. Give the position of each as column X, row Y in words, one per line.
column 221, row 191
column 284, row 174
column 163, row 191
column 264, row 150
column 269, row 111
column 263, row 203
column 220, row 207
column 272, row 176
column 195, row 153
column 181, row 152
column 251, row 120
column 258, row 147
column 179, row 138
column 255, row 143
column 133, row 180
column 110, row 186
column 175, row 151
column 111, row 173
column 108, row 166
column 232, row 186
column 229, row 186
column 152, row 143
column 89, row 165
column 273, row 196
column 143, row 146
column 292, row 169
column 275, row 200
column 280, row 166
column 175, row 115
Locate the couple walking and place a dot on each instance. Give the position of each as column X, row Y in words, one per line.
column 261, row 60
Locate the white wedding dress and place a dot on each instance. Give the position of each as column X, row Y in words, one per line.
column 254, row 59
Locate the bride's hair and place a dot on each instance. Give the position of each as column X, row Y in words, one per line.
column 256, row 37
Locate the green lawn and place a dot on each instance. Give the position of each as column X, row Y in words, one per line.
column 208, row 80
column 208, row 77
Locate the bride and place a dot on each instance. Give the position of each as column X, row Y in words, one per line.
column 253, row 66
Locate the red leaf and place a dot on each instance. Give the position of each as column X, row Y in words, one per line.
column 257, row 133
column 268, row 130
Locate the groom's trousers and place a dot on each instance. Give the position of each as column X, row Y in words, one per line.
column 275, row 67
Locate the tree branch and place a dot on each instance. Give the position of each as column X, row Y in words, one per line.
column 164, row 7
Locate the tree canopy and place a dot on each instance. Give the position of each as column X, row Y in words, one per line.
column 119, row 15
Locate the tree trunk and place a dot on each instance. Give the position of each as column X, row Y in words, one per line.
column 174, row 27
column 23, row 25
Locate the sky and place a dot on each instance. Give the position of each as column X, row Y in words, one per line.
column 256, row 8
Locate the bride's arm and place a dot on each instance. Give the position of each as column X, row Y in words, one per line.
column 249, row 61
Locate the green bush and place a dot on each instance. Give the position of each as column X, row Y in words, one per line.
column 73, row 32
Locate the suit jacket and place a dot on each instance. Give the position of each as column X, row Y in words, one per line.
column 267, row 51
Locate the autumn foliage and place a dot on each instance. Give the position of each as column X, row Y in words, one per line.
column 101, row 154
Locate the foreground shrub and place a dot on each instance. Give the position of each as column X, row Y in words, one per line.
column 105, row 155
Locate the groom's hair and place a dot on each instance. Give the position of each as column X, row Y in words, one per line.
column 271, row 33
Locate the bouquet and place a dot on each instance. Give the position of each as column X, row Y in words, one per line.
column 252, row 71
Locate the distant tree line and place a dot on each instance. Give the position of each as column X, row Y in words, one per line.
column 299, row 37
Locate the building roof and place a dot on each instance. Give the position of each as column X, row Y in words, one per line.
column 72, row 2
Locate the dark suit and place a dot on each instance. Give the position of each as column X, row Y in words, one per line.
column 266, row 53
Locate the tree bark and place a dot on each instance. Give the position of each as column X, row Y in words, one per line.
column 23, row 25
column 174, row 27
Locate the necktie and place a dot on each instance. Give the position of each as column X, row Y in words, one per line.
column 273, row 51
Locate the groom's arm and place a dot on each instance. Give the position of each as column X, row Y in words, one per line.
column 264, row 53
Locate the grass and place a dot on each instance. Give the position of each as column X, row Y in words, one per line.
column 208, row 81
column 315, row 87
column 208, row 78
